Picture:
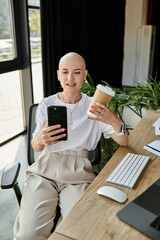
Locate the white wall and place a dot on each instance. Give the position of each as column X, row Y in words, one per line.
column 135, row 16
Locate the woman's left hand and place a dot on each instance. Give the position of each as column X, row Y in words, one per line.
column 104, row 114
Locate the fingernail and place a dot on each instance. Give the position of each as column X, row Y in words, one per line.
column 91, row 106
column 90, row 110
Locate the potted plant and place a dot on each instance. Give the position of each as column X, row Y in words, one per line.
column 137, row 100
column 148, row 95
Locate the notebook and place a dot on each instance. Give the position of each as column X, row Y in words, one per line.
column 153, row 147
column 143, row 213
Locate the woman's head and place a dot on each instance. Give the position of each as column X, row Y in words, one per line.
column 72, row 72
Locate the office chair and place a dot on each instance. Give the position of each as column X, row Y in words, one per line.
column 11, row 171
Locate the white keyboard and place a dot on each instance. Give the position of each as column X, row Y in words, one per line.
column 128, row 170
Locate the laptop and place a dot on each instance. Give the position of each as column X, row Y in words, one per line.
column 143, row 213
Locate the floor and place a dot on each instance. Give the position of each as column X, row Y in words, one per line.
column 16, row 151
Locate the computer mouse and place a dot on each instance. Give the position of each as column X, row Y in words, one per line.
column 113, row 193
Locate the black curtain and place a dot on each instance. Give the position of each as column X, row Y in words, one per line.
column 94, row 29
column 155, row 20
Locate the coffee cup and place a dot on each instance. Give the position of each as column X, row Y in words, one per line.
column 103, row 94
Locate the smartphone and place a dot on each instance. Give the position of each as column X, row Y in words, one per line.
column 58, row 115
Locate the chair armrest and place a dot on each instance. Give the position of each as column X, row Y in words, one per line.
column 95, row 155
column 10, row 175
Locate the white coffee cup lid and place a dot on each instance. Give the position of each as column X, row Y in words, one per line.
column 106, row 89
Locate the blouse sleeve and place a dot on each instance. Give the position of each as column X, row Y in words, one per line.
column 41, row 118
column 107, row 130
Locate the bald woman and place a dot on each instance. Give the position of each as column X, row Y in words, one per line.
column 63, row 172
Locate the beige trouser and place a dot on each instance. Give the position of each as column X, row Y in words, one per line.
column 55, row 178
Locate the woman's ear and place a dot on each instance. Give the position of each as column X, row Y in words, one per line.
column 58, row 75
column 86, row 73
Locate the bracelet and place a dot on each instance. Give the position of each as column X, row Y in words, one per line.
column 123, row 130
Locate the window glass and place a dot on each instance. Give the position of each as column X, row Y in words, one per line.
column 34, row 3
column 36, row 58
column 7, row 50
column 11, row 118
column 35, row 33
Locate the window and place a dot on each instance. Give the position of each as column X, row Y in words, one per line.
column 35, row 46
column 15, row 77
column 11, row 36
column 34, row 3
column 20, row 69
column 7, row 49
column 11, row 117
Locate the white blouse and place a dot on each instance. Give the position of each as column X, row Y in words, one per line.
column 82, row 134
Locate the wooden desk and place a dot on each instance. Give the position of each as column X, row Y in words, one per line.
column 94, row 216
column 58, row 236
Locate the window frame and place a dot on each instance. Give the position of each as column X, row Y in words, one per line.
column 20, row 60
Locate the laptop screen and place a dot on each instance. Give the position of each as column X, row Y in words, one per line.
column 150, row 199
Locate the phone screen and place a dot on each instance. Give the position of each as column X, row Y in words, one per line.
column 58, row 115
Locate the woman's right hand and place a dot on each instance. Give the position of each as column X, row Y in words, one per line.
column 47, row 137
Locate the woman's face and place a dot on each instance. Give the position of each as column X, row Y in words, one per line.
column 72, row 73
